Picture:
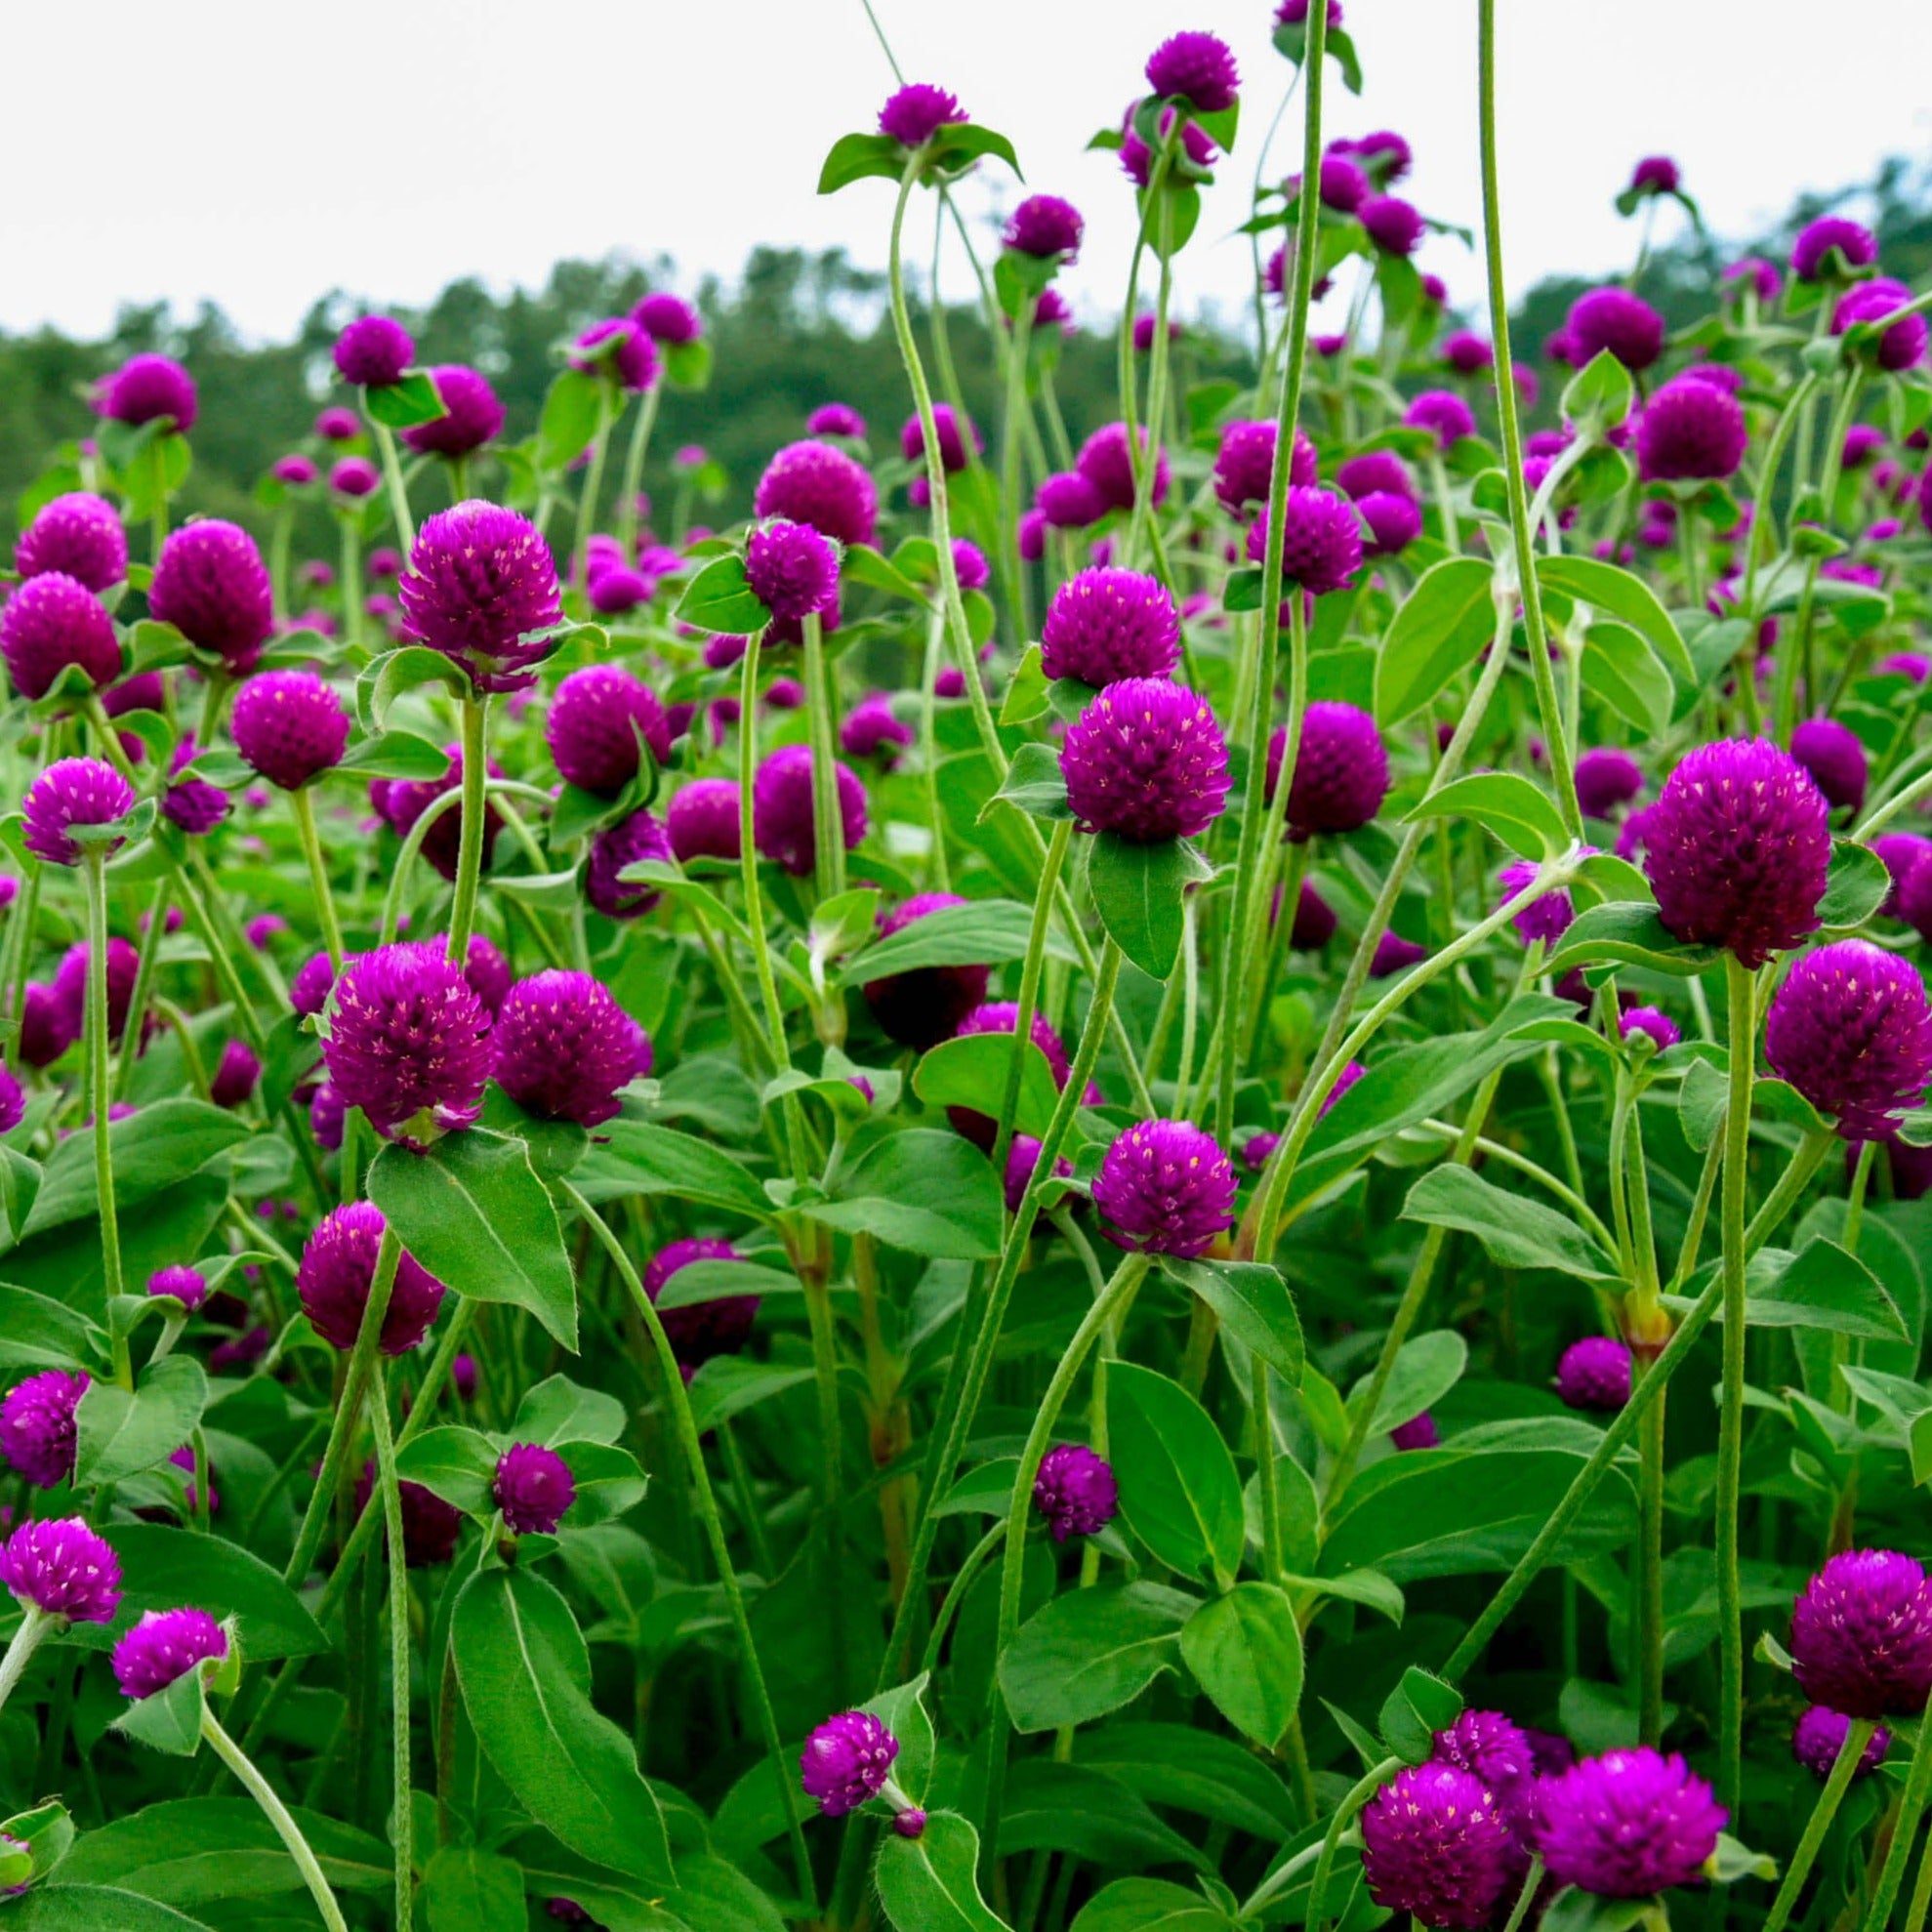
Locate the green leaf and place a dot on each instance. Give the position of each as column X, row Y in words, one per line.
column 972, row 1072
column 1620, row 594
column 1244, row 1649
column 1254, row 1305
column 404, row 404
column 857, row 157
column 931, row 1883
column 1820, row 1287
column 395, row 673
column 1598, row 397
column 1855, row 887
column 1627, row 932
column 1026, row 691
column 1178, row 1490
column 688, row 366
column 984, row 933
column 169, row 1721
column 1034, row 785
column 1427, row 1366
column 902, row 1710
column 152, row 1150
column 396, row 755
column 1509, row 806
column 95, row 1908
column 634, row 1157
column 927, row 1192
column 720, row 599
column 119, row 1434
column 456, row 1464
column 962, row 142
column 472, row 1211
column 557, row 1410
column 1085, row 1813
column 1622, row 669
column 525, row 1677
column 465, row 1890
column 1443, row 625
column 1150, row 1905
column 1089, row 1652
column 1193, row 1768
column 1417, row 1707
column 699, row 1282
column 36, row 1332
column 1517, row 1231
column 728, row 1385
column 1138, row 891
column 572, row 410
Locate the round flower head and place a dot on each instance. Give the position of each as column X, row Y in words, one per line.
column 78, row 534
column 1820, row 1736
column 1851, row 1030
column 146, row 388
column 946, row 425
column 1658, row 1027
column 970, row 565
column 1546, row 918
column 472, row 414
column 617, row 348
column 1395, row 522
column 37, row 1426
column 668, row 318
column 812, row 482
column 702, row 820
column 213, row 587
column 1046, row 227
column 1656, row 173
column 917, row 111
column 1736, row 849
column 836, row 419
column 1075, row 1491
column 50, row 622
column 846, row 1760
column 697, row 1331
column 164, row 1645
column 1434, row 1843
column 1022, row 1164
column 629, row 842
column 924, row 1006
column 1342, row 184
column 409, row 1040
column 47, row 1029
column 1443, row 414
column 237, row 1075
column 565, row 1049
column 184, row 1284
column 71, row 984
column 1466, row 353
column 1594, row 1373
column 533, row 1488
column 1146, row 761
column 791, row 569
column 62, row 1569
column 1245, row 465
column 1196, row 67
column 325, row 1118
column 1165, row 1187
column 1107, row 624
column 1607, row 778
column 1340, row 769
column 373, row 352
column 1295, row 13
column 870, row 730
column 308, row 990
column 1314, row 920
column 430, row 1525
column 1614, row 319
column 1836, row 759
column 1903, row 345
column 1418, row 1432
column 71, row 791
column 1067, row 501
column 1105, row 462
column 290, row 727
column 1628, row 1824
column 595, row 720
column 337, row 425
column 334, row 1276
column 1321, row 546
column 13, row 1101
column 191, row 804
column 782, row 820
column 295, row 470
column 1497, row 1752
column 1393, row 225
column 481, row 584
column 1813, row 256
column 1375, row 472
column 355, row 476
column 1901, row 853
column 1691, row 431
column 619, row 589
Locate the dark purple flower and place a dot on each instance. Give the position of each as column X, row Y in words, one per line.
column 1165, row 1187
column 1812, row 254
column 1546, row 918
column 595, row 721
column 430, row 1525
column 50, row 622
column 1340, row 769
column 629, row 842
column 1375, row 472
column 697, row 1331
column 619, row 589
column 355, row 476
column 1196, row 67
column 71, row 984
column 1001, row 1016
column 1607, row 778
column 1314, row 920
column 1146, row 761
column 791, row 569
column 1903, row 345
column 1658, row 1026
column 37, row 1426
column 482, row 588
column 192, row 805
column 1343, row 184
column 337, row 1269
column 1594, row 1373
column 1075, row 1491
column 1104, row 461
column 845, row 1761
column 1656, row 173
column 924, row 1006
column 1691, row 431
column 1395, row 522
column 1417, row 1432
column 472, row 414
column 1393, row 225
column 917, row 111
column 782, row 817
column 325, row 1118
column 235, row 1076
column 337, row 425
column 62, row 1569
column 296, row 470
column 871, row 730
column 71, row 791
column 184, row 1283
column 668, row 318
column 1434, row 1843
column 811, row 483
column 565, row 1049
column 1836, row 759
column 702, row 821
column 1902, row 853
column 45, row 1029
column 533, row 1488
column 373, row 352
column 290, row 727
column 1628, row 1824
column 1046, row 227
column 164, row 1645
column 1022, row 1164
column 78, row 534
column 1850, row 1028
column 145, row 389
column 308, row 990
column 1443, row 414
column 1820, row 1736
column 1614, row 319
column 617, row 348
column 836, row 419
column 213, row 587
column 1067, row 501
column 1496, row 1750
column 1394, row 954
column 1245, row 463
column 952, row 437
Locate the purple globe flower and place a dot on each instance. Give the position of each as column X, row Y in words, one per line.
column 1196, row 67
column 1443, row 414
column 337, row 1269
column 1497, row 1752
column 1340, row 769
column 565, row 1049
column 337, row 425
column 953, row 456
column 1045, row 226
column 147, row 389
column 355, row 476
column 73, row 792
column 70, row 985
column 1466, row 353
column 791, row 569
column 1148, row 761
column 595, row 721
column 1820, row 1736
column 78, row 534
column 296, row 470
column 1418, row 1432
column 373, row 352
column 533, row 1488
column 1594, row 1373
column 1691, row 431
column 924, row 1006
column 1628, row 1824
column 308, row 990
column 482, row 588
column 184, row 1284
column 488, row 974
column 62, row 1569
column 1106, row 625
column 1901, row 853
column 325, row 1118
column 1107, row 466
column 1836, row 759
column 697, row 1331
column 846, row 1760
column 1395, row 522
column 1656, row 173
column 703, row 822
column 290, row 727
column 917, row 111
column 213, row 587
column 1614, row 320
column 472, row 414
column 1607, row 778
column 37, row 1426
column 618, row 349
column 1736, row 849
column 782, row 818
column 1850, row 1028
column 192, row 805
column 1434, row 1843
column 836, row 419
column 409, row 1040
column 629, row 842
column 1813, row 256
column 1375, row 472
column 1245, row 465
column 811, row 483
column 1321, row 541
column 668, row 318
column 164, row 1645
column 1165, row 1187
column 1067, row 501
column 1342, row 185
column 1075, row 1491
column 1903, row 345
column 50, row 622
column 870, row 729
column 46, row 1030
column 1546, row 918
column 430, row 1525
column 1022, row 1164
column 1393, row 225
column 1658, row 1026
column 1314, row 920
column 236, row 1076
column 619, row 589
column 1295, row 13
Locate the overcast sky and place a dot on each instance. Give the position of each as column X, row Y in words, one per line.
column 258, row 152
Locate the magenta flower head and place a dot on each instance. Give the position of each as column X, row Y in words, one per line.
column 870, row 729
column 1903, row 345
column 78, row 534
column 836, row 419
column 337, row 1269
column 1656, row 173
column 565, row 1049
column 703, row 822
column 1607, row 778
column 1340, row 769
column 50, row 622
column 1105, row 462
column 917, row 111
column 290, row 727
column 1628, row 1825
column 409, row 1040
column 146, row 388
column 1321, row 541
column 595, row 721
column 1546, row 918
column 166, row 1644
column 1820, row 1736
column 1691, row 431
column 1105, row 625
column 1466, row 353
column 1836, row 759
column 1148, row 761
column 1851, row 1030
column 847, row 1758
column 952, row 437
column 1196, row 67
column 235, row 1076
column 62, row 1569
column 1614, row 319
column 1165, row 1187
column 793, row 570
column 1045, row 226
column 1245, row 465
column 482, row 588
column 697, row 1331
column 1443, row 414
column 1434, row 1843
column 295, row 470
column 1375, row 470
column 1067, row 501
column 782, row 821
column 184, row 1284
column 1395, row 522
column 73, row 792
column 337, row 425
column 630, row 363
column 1022, row 1164
column 812, row 482
column 71, row 984
column 37, row 1426
column 1075, row 1491
column 308, row 990
column 1496, row 1750
column 373, row 352
column 533, row 1486
column 1594, row 1373
column 1827, row 248
column 1342, row 185
column 668, row 318
column 629, row 842
column 1393, row 225
column 213, row 587
column 472, row 414
column 1658, row 1026
column 1418, row 1432
column 1736, row 849
column 355, row 476
column 924, row 1006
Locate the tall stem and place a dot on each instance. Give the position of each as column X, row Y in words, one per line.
column 586, row 500
column 99, row 1074
column 470, row 846
column 278, row 1814
column 632, row 480
column 1029, row 989
column 303, row 804
column 1019, row 350
column 402, row 1814
column 828, row 828
column 1905, row 1831
column 35, row 1625
column 405, row 527
column 350, row 582
column 1857, row 1734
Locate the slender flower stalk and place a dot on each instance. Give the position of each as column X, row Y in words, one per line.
column 1857, row 1734
column 470, row 849
column 398, row 490
column 402, row 1807
column 1029, row 989
column 100, row 1080
column 633, row 481
column 303, row 804
column 826, row 824
column 586, row 500
column 36, row 1625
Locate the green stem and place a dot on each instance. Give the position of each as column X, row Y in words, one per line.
column 349, row 584
column 278, row 1814
column 470, row 846
column 1359, row 1794
column 1857, row 1734
column 279, row 539
column 1904, row 1830
column 1018, row 347
column 586, row 500
column 1029, row 989
column 401, row 1812
column 100, row 1073
column 136, row 1022
column 303, row 804
column 634, row 470
column 405, row 529
column 828, row 827
column 1649, row 1575
column 36, row 1625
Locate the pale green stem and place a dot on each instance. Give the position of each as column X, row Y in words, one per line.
column 278, row 1814
column 402, row 1814
column 1029, row 989
column 586, row 500
column 469, row 847
column 828, row 826
column 99, row 1075
column 36, row 1625
column 1857, row 1734
column 634, row 470
column 405, row 529
column 303, row 804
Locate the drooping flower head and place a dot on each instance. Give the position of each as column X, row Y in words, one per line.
column 697, row 1331
column 50, row 622
column 164, row 1645
column 1075, row 1491
column 1850, row 1028
column 1691, row 431
column 1165, row 1187
column 78, row 534
column 533, row 1488
column 1146, row 761
column 1628, row 1824
column 1862, row 1634
column 812, row 482
column 373, row 352
column 1046, row 227
column 565, row 1049
column 472, row 414
column 1819, row 1735
column 922, row 1008
column 1829, row 246
column 914, row 113
column 791, row 569
column 846, row 1760
column 1321, row 544
column 629, row 842
column 213, row 587
column 290, row 727
column 62, row 1569
column 1196, row 67
column 145, row 389
column 1340, row 769
column 482, row 588
column 1614, row 319
column 337, row 1269
column 1434, row 1843
column 782, row 813
column 1594, row 1373
column 73, row 792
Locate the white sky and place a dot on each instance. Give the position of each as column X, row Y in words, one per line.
column 258, row 152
